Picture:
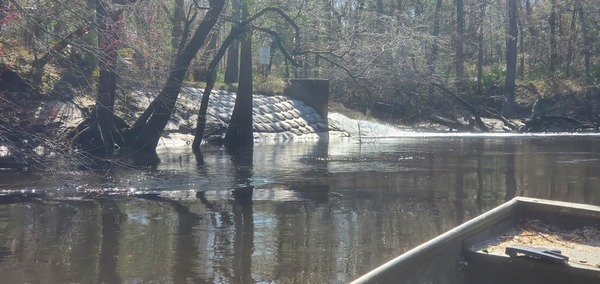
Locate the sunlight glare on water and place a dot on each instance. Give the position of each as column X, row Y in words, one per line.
column 321, row 212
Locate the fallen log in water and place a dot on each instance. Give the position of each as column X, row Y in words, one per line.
column 557, row 123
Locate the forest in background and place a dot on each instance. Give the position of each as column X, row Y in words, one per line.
column 395, row 60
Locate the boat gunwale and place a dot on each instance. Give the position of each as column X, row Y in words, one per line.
column 503, row 213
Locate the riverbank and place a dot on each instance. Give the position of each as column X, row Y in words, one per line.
column 33, row 123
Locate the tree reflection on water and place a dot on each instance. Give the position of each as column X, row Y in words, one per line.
column 320, row 213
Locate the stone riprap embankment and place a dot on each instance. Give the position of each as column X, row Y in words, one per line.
column 276, row 118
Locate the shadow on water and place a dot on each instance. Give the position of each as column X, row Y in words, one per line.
column 294, row 213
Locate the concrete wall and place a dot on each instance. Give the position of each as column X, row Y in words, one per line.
column 314, row 92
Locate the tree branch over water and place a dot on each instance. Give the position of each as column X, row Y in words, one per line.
column 467, row 105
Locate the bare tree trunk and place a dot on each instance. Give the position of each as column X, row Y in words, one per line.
column 233, row 56
column 232, row 71
column 269, row 66
column 317, row 66
column 570, row 56
column 526, row 25
column 521, row 69
column 553, row 44
column 108, row 41
column 100, row 133
column 480, row 46
column 435, row 50
column 508, row 108
column 586, row 49
column 177, row 21
column 435, row 33
column 459, row 59
column 239, row 132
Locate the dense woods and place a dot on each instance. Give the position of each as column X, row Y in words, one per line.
column 384, row 58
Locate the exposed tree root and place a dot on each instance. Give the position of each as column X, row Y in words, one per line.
column 87, row 135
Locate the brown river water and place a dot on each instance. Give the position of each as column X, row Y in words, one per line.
column 321, row 212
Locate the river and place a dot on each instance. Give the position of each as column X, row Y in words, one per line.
column 321, row 212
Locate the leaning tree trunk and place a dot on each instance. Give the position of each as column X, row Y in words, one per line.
column 200, row 72
column 146, row 132
column 210, row 82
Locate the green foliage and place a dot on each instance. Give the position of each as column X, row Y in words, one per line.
column 220, row 75
column 269, row 85
column 493, row 75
